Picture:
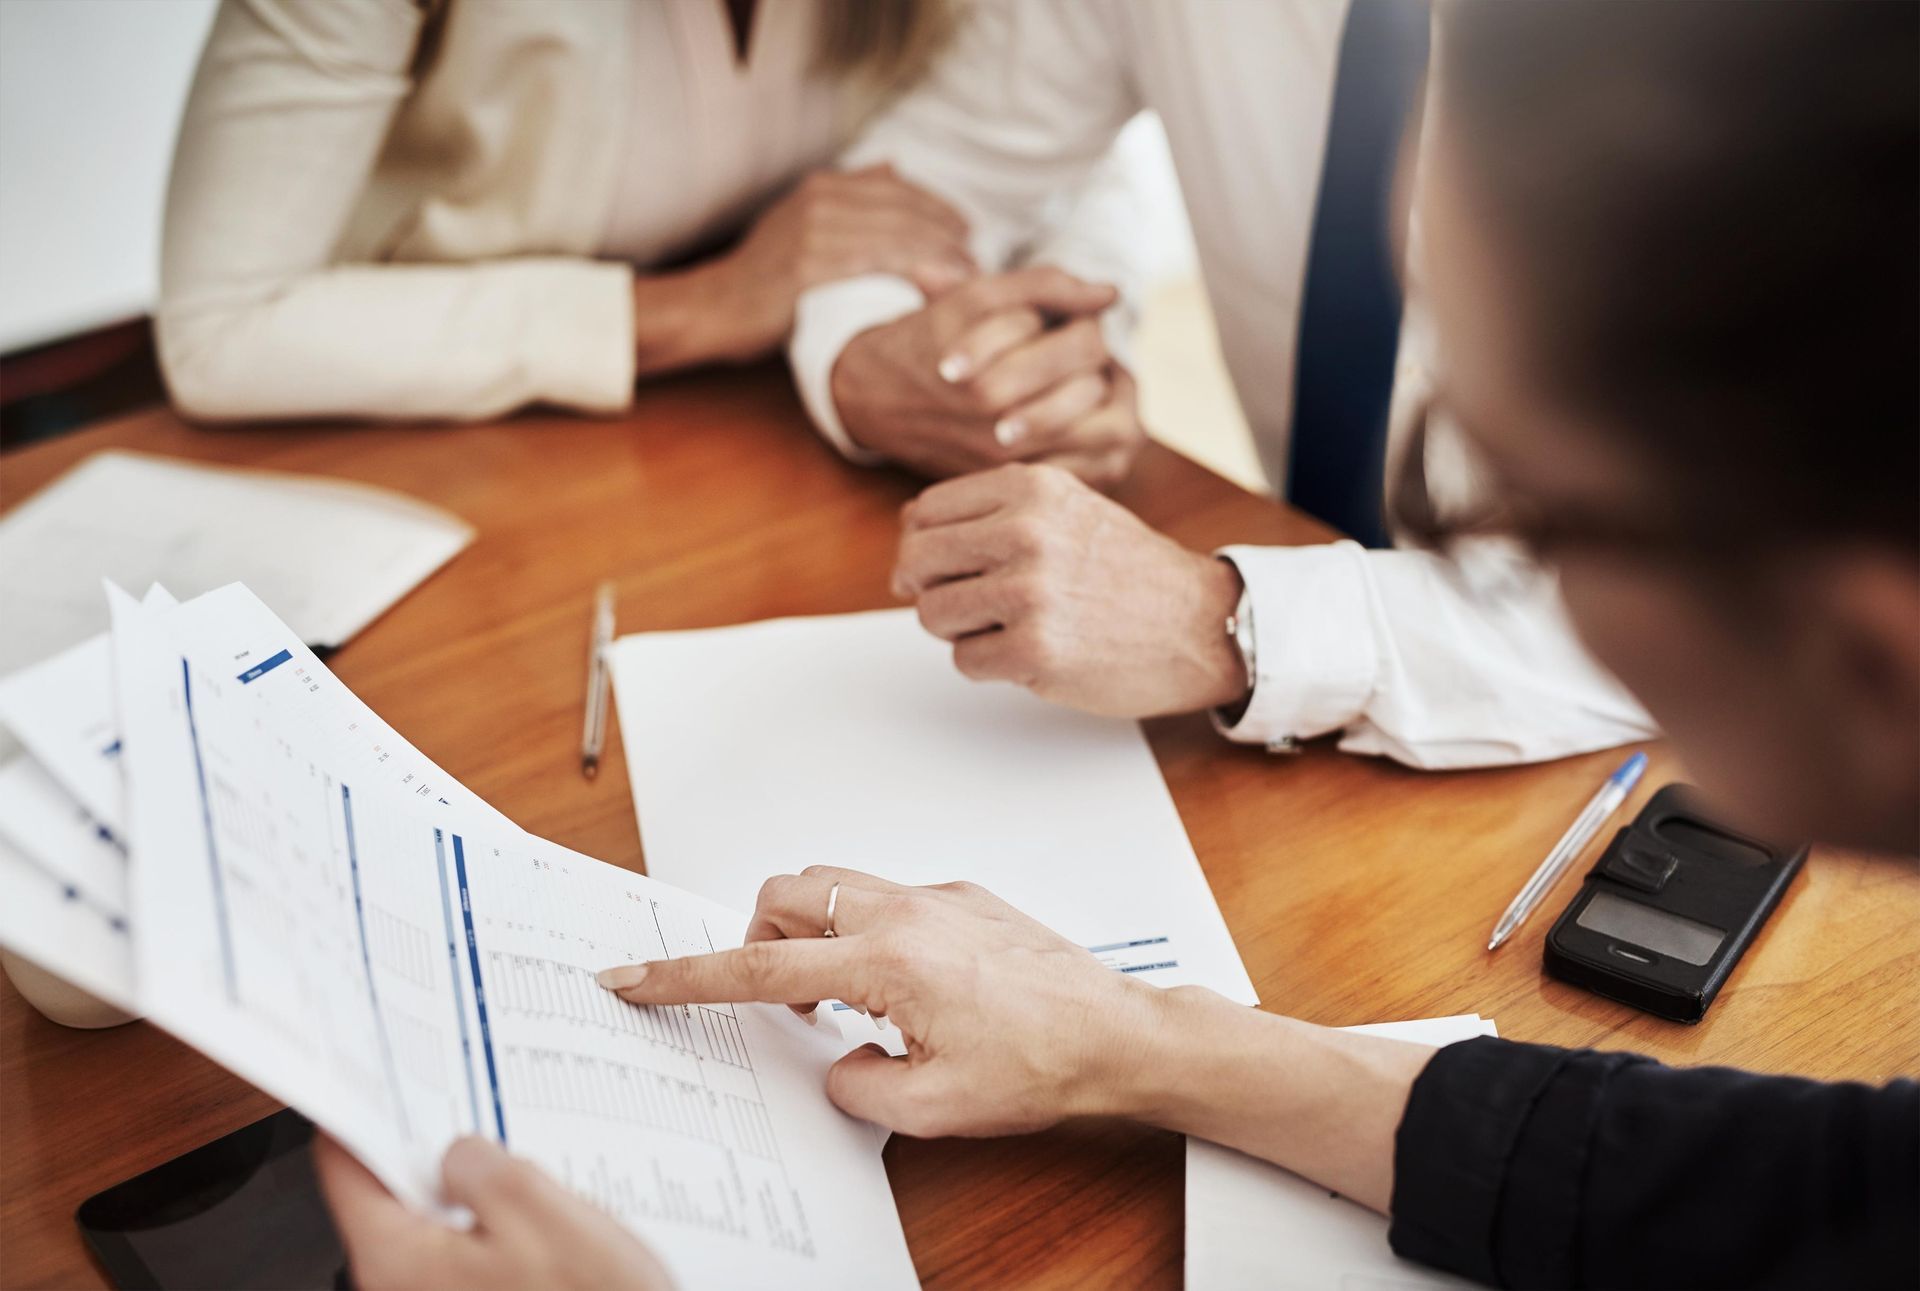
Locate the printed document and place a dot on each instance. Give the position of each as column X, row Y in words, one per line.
column 62, row 710
column 329, row 556
column 851, row 740
column 1251, row 1224
column 404, row 969
column 63, row 886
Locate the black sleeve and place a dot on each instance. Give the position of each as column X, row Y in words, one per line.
column 1527, row 1166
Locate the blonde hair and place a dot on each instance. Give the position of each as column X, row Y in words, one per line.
column 888, row 44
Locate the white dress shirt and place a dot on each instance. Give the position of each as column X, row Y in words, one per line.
column 1393, row 648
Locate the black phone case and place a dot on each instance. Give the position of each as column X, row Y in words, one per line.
column 1674, row 858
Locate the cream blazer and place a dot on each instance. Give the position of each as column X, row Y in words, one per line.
column 390, row 208
column 376, row 212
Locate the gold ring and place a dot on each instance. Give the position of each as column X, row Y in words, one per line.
column 833, row 900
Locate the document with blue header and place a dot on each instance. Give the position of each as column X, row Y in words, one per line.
column 321, row 910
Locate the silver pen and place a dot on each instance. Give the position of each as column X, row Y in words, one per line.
column 1571, row 844
column 594, row 736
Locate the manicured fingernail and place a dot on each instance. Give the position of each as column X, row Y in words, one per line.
column 956, row 367
column 1009, row 431
column 880, row 1020
column 619, row 979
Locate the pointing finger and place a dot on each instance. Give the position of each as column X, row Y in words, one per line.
column 795, row 971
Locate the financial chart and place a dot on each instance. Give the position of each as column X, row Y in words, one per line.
column 318, row 908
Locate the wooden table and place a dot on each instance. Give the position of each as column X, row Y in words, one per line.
column 1357, row 891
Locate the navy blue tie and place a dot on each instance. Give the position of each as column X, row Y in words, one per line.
column 1350, row 308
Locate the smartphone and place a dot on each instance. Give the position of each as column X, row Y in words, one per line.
column 1669, row 908
column 243, row 1211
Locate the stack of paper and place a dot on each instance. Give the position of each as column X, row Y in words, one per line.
column 238, row 848
column 329, row 555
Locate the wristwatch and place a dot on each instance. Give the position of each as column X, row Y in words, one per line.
column 1240, row 632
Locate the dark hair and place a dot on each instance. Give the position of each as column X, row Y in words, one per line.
column 1710, row 213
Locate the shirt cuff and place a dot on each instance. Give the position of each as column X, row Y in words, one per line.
column 1316, row 659
column 580, row 344
column 826, row 318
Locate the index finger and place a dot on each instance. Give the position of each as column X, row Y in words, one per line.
column 798, row 971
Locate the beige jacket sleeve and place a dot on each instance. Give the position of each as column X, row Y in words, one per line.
column 290, row 108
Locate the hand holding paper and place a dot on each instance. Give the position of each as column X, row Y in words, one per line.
column 329, row 915
column 527, row 1231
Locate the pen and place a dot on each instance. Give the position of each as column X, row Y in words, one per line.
column 595, row 733
column 1571, row 844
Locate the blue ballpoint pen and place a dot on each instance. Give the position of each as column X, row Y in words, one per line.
column 1571, row 844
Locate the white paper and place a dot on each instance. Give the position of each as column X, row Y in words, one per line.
column 263, row 659
column 403, row 975
column 78, row 933
column 330, row 556
column 1251, row 1224
column 61, row 710
column 851, row 740
column 43, row 820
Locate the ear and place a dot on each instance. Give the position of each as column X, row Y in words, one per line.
column 1872, row 599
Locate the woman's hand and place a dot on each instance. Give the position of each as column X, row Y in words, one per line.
column 527, row 1230
column 1009, row 1027
column 830, row 225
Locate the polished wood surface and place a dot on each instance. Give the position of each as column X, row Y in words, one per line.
column 1357, row 891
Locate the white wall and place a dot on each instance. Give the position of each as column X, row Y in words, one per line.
column 90, row 97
